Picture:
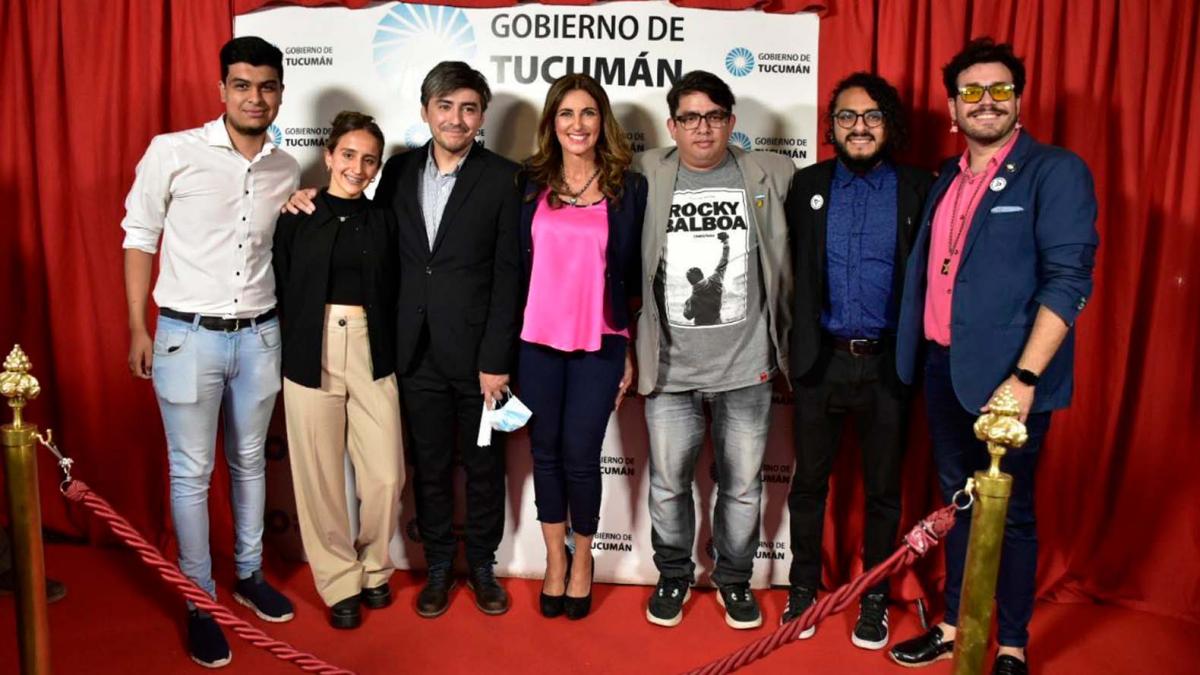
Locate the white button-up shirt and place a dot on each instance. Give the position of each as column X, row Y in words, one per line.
column 215, row 212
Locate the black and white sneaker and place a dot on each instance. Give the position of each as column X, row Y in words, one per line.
column 666, row 603
column 741, row 609
column 205, row 641
column 871, row 631
column 268, row 603
column 800, row 598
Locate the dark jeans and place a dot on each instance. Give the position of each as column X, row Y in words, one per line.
column 438, row 411
column 957, row 455
column 571, row 395
column 843, row 384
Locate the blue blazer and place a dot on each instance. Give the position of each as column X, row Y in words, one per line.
column 623, row 265
column 1032, row 243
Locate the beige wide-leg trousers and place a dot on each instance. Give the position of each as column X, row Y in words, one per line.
column 355, row 413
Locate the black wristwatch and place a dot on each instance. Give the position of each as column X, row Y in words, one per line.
column 1026, row 376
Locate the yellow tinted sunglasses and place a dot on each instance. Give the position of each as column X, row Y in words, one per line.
column 1000, row 92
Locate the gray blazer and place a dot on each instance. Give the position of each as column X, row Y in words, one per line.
column 768, row 177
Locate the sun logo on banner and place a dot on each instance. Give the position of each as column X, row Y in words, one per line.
column 739, row 62
column 741, row 140
column 416, row 135
column 411, row 39
column 276, row 135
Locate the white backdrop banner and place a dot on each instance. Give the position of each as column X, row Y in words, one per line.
column 373, row 60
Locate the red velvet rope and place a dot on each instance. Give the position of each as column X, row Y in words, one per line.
column 923, row 537
column 77, row 491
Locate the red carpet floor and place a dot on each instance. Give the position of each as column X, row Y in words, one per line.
column 119, row 618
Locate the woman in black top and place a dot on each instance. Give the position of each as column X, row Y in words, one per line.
column 336, row 283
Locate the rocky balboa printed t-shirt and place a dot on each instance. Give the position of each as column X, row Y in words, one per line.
column 709, row 287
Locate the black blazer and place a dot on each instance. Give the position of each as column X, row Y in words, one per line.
column 465, row 289
column 806, row 230
column 302, row 249
column 623, row 256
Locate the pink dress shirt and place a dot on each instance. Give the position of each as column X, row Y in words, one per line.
column 567, row 307
column 956, row 210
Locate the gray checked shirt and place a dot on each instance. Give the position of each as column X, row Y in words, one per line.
column 435, row 192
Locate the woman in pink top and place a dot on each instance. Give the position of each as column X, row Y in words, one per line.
column 581, row 225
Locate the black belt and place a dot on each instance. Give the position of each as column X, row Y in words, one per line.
column 858, row 346
column 216, row 322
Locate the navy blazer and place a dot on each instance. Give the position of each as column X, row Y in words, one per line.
column 1032, row 243
column 623, row 265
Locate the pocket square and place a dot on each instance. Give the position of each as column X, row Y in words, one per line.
column 1007, row 209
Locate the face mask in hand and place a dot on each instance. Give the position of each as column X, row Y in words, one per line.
column 511, row 415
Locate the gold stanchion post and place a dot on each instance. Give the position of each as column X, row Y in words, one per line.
column 1001, row 428
column 20, row 456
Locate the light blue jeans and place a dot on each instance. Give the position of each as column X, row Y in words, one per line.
column 199, row 375
column 741, row 419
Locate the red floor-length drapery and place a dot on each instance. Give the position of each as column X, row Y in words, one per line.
column 86, row 84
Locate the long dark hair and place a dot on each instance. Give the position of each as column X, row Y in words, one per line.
column 613, row 155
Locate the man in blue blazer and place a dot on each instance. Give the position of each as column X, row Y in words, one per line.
column 1000, row 270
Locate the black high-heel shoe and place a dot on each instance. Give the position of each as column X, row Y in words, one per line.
column 554, row 605
column 578, row 608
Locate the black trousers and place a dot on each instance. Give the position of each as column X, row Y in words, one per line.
column 440, row 412
column 841, row 384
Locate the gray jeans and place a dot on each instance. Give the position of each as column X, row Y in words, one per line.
column 740, row 421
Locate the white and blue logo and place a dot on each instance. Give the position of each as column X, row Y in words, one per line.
column 276, row 135
column 411, row 39
column 739, row 62
column 417, row 135
column 741, row 140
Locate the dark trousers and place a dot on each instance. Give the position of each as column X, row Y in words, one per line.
column 571, row 395
column 842, row 384
column 438, row 412
column 957, row 455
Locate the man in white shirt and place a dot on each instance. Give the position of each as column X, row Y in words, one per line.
column 211, row 195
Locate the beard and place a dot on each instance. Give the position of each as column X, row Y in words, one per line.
column 986, row 135
column 860, row 164
column 249, row 129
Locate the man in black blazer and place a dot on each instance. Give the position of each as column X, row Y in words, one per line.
column 458, row 208
column 851, row 222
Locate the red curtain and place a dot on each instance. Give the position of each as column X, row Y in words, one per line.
column 87, row 83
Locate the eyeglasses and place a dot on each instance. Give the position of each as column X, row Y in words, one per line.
column 1000, row 92
column 846, row 119
column 716, row 119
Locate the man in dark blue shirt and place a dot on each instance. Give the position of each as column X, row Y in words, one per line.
column 851, row 221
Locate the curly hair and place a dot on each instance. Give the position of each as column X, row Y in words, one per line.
column 983, row 50
column 613, row 154
column 895, row 118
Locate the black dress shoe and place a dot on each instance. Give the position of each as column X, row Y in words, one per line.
column 490, row 596
column 346, row 614
column 578, row 608
column 923, row 649
column 1007, row 664
column 378, row 597
column 434, row 599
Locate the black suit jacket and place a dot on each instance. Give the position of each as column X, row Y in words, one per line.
column 301, row 253
column 623, row 253
column 465, row 288
column 807, row 230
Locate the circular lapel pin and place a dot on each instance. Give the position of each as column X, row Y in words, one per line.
column 998, row 184
column 816, row 202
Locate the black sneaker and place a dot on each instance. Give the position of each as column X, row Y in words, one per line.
column 871, row 631
column 206, row 643
column 490, row 596
column 347, row 613
column 378, row 597
column 666, row 603
column 800, row 598
column 268, row 603
column 741, row 609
